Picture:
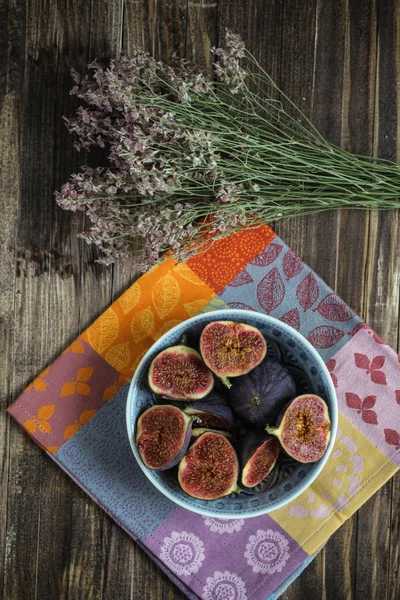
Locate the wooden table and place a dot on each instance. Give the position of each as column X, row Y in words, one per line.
column 340, row 61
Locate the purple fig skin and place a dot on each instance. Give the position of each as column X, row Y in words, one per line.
column 179, row 373
column 252, row 441
column 184, row 442
column 216, row 405
column 303, row 428
column 198, row 431
column 258, row 397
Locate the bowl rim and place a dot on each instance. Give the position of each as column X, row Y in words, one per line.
column 301, row 487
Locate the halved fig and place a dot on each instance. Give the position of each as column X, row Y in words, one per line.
column 231, row 349
column 163, row 436
column 180, row 373
column 258, row 397
column 210, row 468
column 257, row 456
column 304, row 428
column 212, row 412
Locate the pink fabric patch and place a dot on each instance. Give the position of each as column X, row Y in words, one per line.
column 366, row 376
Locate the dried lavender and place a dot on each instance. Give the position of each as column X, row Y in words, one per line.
column 188, row 155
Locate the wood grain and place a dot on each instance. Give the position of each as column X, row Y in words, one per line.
column 340, row 62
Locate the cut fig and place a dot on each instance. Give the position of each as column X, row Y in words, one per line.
column 304, row 428
column 231, row 349
column 210, row 468
column 258, row 397
column 163, row 436
column 258, row 455
column 180, row 373
column 212, row 412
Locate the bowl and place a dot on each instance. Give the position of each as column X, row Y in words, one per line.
column 311, row 374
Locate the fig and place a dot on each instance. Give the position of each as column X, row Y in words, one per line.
column 163, row 436
column 180, row 373
column 231, row 349
column 258, row 397
column 304, row 428
column 198, row 431
column 257, row 456
column 212, row 412
column 210, row 468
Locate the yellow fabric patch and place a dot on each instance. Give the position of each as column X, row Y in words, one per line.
column 348, row 479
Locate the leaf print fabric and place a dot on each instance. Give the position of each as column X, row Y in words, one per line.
column 307, row 291
column 291, row 264
column 271, row 291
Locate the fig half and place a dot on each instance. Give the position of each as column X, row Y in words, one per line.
column 304, row 428
column 258, row 397
column 257, row 456
column 212, row 412
column 231, row 349
column 163, row 436
column 180, row 373
column 210, row 468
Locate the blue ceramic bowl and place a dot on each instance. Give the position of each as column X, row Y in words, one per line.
column 286, row 344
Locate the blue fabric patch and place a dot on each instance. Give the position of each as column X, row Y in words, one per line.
column 100, row 458
column 278, row 283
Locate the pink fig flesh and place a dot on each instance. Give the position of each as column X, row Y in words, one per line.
column 304, row 428
column 180, row 373
column 258, row 456
column 163, row 436
column 210, row 468
column 231, row 349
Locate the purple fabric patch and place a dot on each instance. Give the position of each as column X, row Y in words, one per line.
column 199, row 550
column 366, row 376
column 66, row 395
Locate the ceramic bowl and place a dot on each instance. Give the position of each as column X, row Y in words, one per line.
column 311, row 374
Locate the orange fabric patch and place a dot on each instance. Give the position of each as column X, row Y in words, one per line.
column 159, row 300
column 218, row 265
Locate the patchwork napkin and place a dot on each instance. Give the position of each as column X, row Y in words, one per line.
column 75, row 410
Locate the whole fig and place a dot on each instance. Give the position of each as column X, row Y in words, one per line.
column 231, row 349
column 163, row 436
column 213, row 411
column 258, row 397
column 304, row 428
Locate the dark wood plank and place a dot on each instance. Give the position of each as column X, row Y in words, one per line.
column 381, row 309
column 9, row 196
column 357, row 130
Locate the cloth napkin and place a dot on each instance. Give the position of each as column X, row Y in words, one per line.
column 75, row 410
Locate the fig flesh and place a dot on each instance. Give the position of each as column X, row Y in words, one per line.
column 163, row 436
column 258, row 397
column 212, row 412
column 180, row 373
column 231, row 349
column 304, row 428
column 210, row 468
column 258, row 455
